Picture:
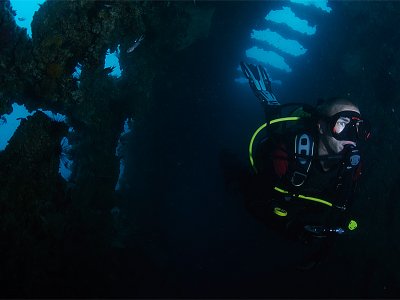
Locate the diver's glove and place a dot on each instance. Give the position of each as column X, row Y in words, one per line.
column 259, row 83
column 351, row 156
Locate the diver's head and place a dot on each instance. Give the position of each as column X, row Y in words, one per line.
column 339, row 124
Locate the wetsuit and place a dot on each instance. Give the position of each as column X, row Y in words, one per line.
column 275, row 163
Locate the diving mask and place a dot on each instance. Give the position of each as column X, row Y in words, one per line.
column 348, row 126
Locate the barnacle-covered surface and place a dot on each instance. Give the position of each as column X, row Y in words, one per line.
column 16, row 67
column 32, row 198
column 55, row 233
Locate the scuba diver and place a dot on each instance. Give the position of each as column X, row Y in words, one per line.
column 306, row 162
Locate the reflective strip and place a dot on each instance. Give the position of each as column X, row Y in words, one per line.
column 303, row 197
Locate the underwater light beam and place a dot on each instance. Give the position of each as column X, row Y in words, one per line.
column 112, row 61
column 25, row 9
column 10, row 123
column 321, row 4
column 287, row 16
column 8, row 128
column 291, row 47
column 268, row 57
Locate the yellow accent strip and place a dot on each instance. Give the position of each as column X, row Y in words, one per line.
column 261, row 128
column 315, row 199
column 251, row 144
column 284, row 119
column 304, row 197
column 280, row 190
column 280, row 212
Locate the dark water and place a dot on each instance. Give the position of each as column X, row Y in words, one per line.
column 186, row 232
column 191, row 150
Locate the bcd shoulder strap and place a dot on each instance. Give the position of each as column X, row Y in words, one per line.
column 303, row 155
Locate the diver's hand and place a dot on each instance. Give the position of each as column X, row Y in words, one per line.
column 259, row 83
column 351, row 156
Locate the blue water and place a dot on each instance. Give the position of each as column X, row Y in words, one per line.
column 184, row 197
column 186, row 232
column 25, row 10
